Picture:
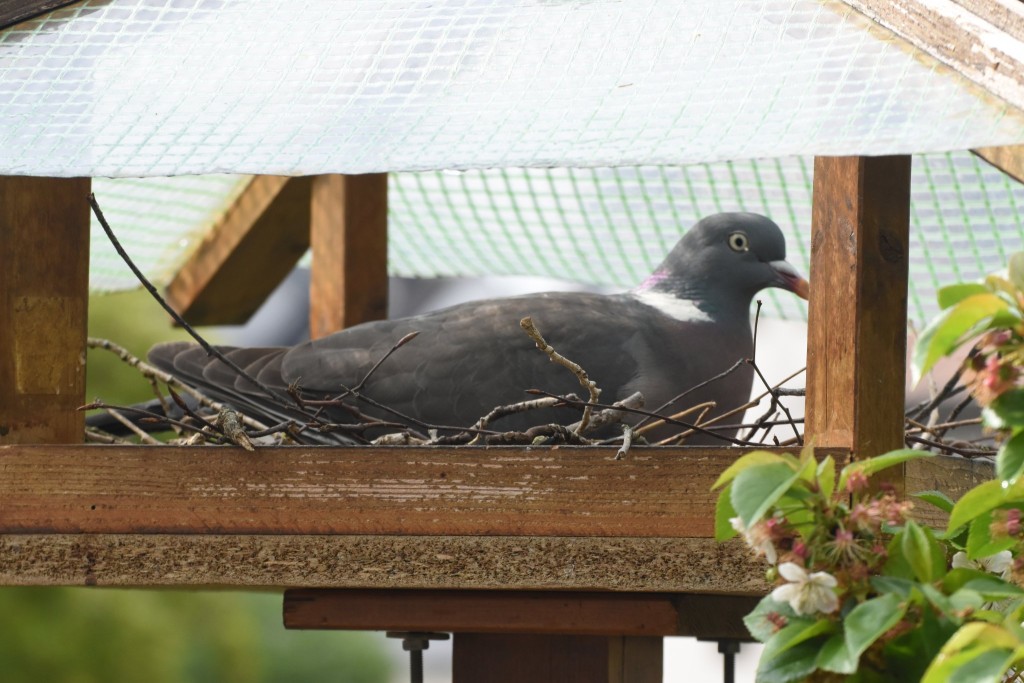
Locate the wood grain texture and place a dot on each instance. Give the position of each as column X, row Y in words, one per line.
column 555, row 659
column 983, row 40
column 44, row 278
column 349, row 239
column 684, row 565
column 1008, row 159
column 16, row 11
column 857, row 323
column 578, row 613
column 482, row 491
column 246, row 254
column 952, row 475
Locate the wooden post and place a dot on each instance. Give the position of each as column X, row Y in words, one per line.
column 349, row 240
column 856, row 347
column 512, row 658
column 44, row 280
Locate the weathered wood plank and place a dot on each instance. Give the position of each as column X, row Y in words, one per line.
column 349, row 240
column 856, row 358
column 954, row 476
column 983, row 40
column 580, row 613
column 366, row 561
column 247, row 254
column 44, row 279
column 491, row 491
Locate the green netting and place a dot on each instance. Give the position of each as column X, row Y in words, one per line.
column 605, row 226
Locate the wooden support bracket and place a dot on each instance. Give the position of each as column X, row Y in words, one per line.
column 247, row 254
column 1008, row 159
column 268, row 229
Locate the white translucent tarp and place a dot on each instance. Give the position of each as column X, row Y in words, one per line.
column 172, row 87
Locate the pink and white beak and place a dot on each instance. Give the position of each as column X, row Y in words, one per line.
column 790, row 279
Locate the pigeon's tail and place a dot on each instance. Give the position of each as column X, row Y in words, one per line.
column 191, row 364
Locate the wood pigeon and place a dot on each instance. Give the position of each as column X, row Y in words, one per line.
column 687, row 322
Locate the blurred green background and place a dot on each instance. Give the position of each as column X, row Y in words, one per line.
column 82, row 635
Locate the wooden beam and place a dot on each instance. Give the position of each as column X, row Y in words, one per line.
column 697, row 565
column 506, row 611
column 44, row 280
column 349, row 239
column 565, row 491
column 246, row 254
column 856, row 347
column 1008, row 159
column 555, row 659
column 983, row 40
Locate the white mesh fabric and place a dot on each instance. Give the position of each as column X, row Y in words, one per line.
column 173, row 87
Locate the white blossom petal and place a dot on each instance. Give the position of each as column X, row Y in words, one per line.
column 791, row 571
column 807, row 594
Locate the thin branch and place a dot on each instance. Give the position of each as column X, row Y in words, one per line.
column 211, row 350
column 950, row 448
column 627, row 442
column 581, row 374
column 132, row 427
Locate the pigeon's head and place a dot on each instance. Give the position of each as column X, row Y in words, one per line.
column 726, row 259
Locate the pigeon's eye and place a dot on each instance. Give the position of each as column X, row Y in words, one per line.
column 738, row 242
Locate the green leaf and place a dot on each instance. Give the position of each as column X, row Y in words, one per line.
column 896, row 565
column 935, row 596
column 797, row 631
column 993, row 588
column 916, row 551
column 965, row 657
column 986, row 665
column 976, row 665
column 954, row 294
column 1010, row 459
column 879, row 463
column 869, row 620
column 982, row 498
column 757, row 488
column 724, row 511
column 979, row 539
column 762, row 621
column 938, row 499
column 968, row 318
column 1015, row 266
column 965, row 599
column 1003, row 287
column 909, row 654
column 795, row 664
column 958, row 578
column 1009, row 408
column 892, row 584
column 751, row 459
column 975, row 632
column 923, row 552
column 834, row 656
column 827, row 476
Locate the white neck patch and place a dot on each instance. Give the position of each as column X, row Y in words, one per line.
column 682, row 310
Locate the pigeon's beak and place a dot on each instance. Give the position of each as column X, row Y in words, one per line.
column 790, row 279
